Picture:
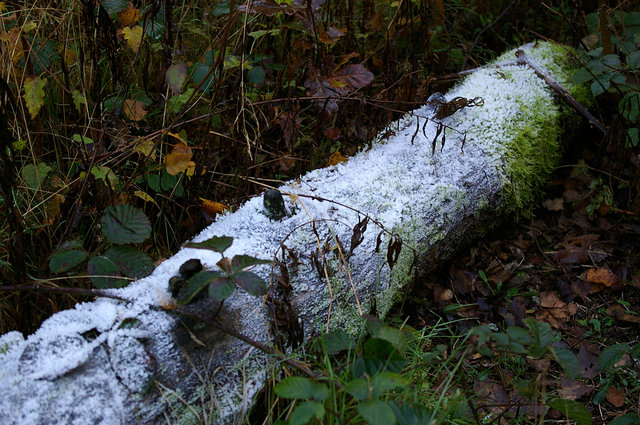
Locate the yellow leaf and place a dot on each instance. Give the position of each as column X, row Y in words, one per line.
column 54, row 208
column 145, row 147
column 3, row 6
column 28, row 27
column 144, row 196
column 34, row 94
column 133, row 36
column 134, row 109
column 212, row 208
column 336, row 158
column 179, row 160
column 69, row 56
column 129, row 16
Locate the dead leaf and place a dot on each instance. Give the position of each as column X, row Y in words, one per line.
column 290, row 122
column 554, row 204
column 212, row 208
column 134, row 110
column 333, row 82
column 601, row 275
column 335, row 158
column 550, row 299
column 615, row 396
column 620, row 313
column 146, row 148
column 133, row 36
column 12, row 45
column 144, row 196
column 175, row 76
column 179, row 160
column 129, row 16
column 572, row 389
column 332, row 133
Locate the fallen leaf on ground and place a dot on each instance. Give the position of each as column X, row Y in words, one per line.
column 180, row 159
column 134, row 110
column 615, row 396
column 572, row 389
column 601, row 275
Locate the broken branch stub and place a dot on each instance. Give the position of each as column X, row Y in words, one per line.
column 398, row 209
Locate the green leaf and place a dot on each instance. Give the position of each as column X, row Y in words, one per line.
column 132, row 262
column 297, row 387
column 633, row 59
column 626, row 419
column 567, row 360
column 376, row 412
column 105, row 273
column 542, row 331
column 600, row 85
column 197, row 283
column 250, row 282
column 358, row 389
column 198, row 73
column 34, row 95
column 106, row 175
column 81, row 139
column 256, row 75
column 407, row 414
column 612, row 355
column 572, row 410
column 306, row 411
column 67, row 257
column 386, row 381
column 240, row 262
column 396, row 337
column 337, row 340
column 34, row 175
column 519, row 335
column 221, row 288
column 78, row 100
column 125, row 224
column 216, row 243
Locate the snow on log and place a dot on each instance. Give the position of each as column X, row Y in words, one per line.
column 353, row 237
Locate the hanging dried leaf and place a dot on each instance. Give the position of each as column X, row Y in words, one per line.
column 129, row 16
column 134, row 110
column 179, row 160
column 358, row 234
column 393, row 251
column 435, row 138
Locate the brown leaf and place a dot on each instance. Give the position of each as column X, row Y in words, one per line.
column 550, row 299
column 554, row 204
column 620, row 313
column 129, row 16
column 601, row 275
column 179, row 160
column 335, row 158
column 615, row 396
column 329, row 87
column 332, row 34
column 332, row 133
column 134, row 110
column 212, row 208
column 587, row 362
column 572, row 389
column 290, row 122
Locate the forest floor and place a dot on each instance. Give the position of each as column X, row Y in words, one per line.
column 574, row 262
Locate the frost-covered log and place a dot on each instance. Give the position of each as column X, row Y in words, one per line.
column 440, row 176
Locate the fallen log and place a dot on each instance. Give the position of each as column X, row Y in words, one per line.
column 352, row 237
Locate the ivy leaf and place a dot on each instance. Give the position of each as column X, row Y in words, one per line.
column 215, row 243
column 133, row 36
column 34, row 94
column 251, row 282
column 124, row 224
